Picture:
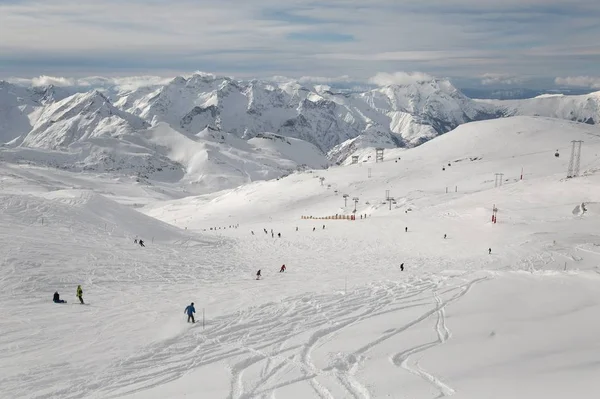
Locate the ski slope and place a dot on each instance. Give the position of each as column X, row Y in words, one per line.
column 343, row 321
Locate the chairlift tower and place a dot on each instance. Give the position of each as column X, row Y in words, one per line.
column 499, row 178
column 378, row 155
column 575, row 161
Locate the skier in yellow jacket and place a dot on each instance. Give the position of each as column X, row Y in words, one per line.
column 80, row 294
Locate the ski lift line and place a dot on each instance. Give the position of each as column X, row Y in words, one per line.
column 523, row 155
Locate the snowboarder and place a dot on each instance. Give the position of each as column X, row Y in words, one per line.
column 142, row 243
column 56, row 298
column 401, row 267
column 80, row 294
column 279, row 235
column 190, row 310
column 282, row 269
column 406, row 229
column 489, row 251
column 258, row 275
column 135, row 241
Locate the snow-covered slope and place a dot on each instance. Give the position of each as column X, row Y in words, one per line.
column 414, row 113
column 337, row 124
column 85, row 131
column 582, row 108
column 80, row 117
column 343, row 321
column 17, row 111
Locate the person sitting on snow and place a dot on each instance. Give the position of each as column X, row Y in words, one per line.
column 57, row 299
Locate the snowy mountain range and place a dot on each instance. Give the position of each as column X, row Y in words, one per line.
column 222, row 132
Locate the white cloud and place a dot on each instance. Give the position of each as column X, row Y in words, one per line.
column 123, row 83
column 501, row 79
column 399, row 78
column 324, row 80
column 579, row 81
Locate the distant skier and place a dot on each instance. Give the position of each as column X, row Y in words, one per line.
column 296, row 228
column 272, row 235
column 314, row 228
column 56, row 298
column 142, row 243
column 406, row 229
column 266, row 232
column 323, row 227
column 190, row 310
column 490, row 251
column 444, row 236
column 258, row 275
column 80, row 294
column 252, row 232
column 282, row 269
column 279, row 235
column 401, row 267
column 135, row 241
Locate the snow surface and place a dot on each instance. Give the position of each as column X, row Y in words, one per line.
column 343, row 321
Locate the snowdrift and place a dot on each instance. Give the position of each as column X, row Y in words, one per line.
column 86, row 213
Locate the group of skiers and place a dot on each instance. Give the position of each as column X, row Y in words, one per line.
column 56, row 298
column 282, row 269
column 140, row 241
column 279, row 234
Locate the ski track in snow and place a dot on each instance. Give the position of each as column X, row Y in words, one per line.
column 260, row 336
column 279, row 338
column 443, row 334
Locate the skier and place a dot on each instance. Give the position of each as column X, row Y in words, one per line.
column 252, row 232
column 142, row 243
column 444, row 236
column 314, row 228
column 406, row 229
column 190, row 310
column 490, row 251
column 282, row 269
column 265, row 231
column 279, row 235
column 402, row 267
column 323, row 227
column 135, row 241
column 80, row 294
column 272, row 235
column 57, row 299
column 258, row 275
column 296, row 228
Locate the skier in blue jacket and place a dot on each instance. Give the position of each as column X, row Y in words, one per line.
column 190, row 312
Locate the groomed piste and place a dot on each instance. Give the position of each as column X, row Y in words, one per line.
column 481, row 309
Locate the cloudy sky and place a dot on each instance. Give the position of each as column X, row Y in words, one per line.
column 493, row 42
